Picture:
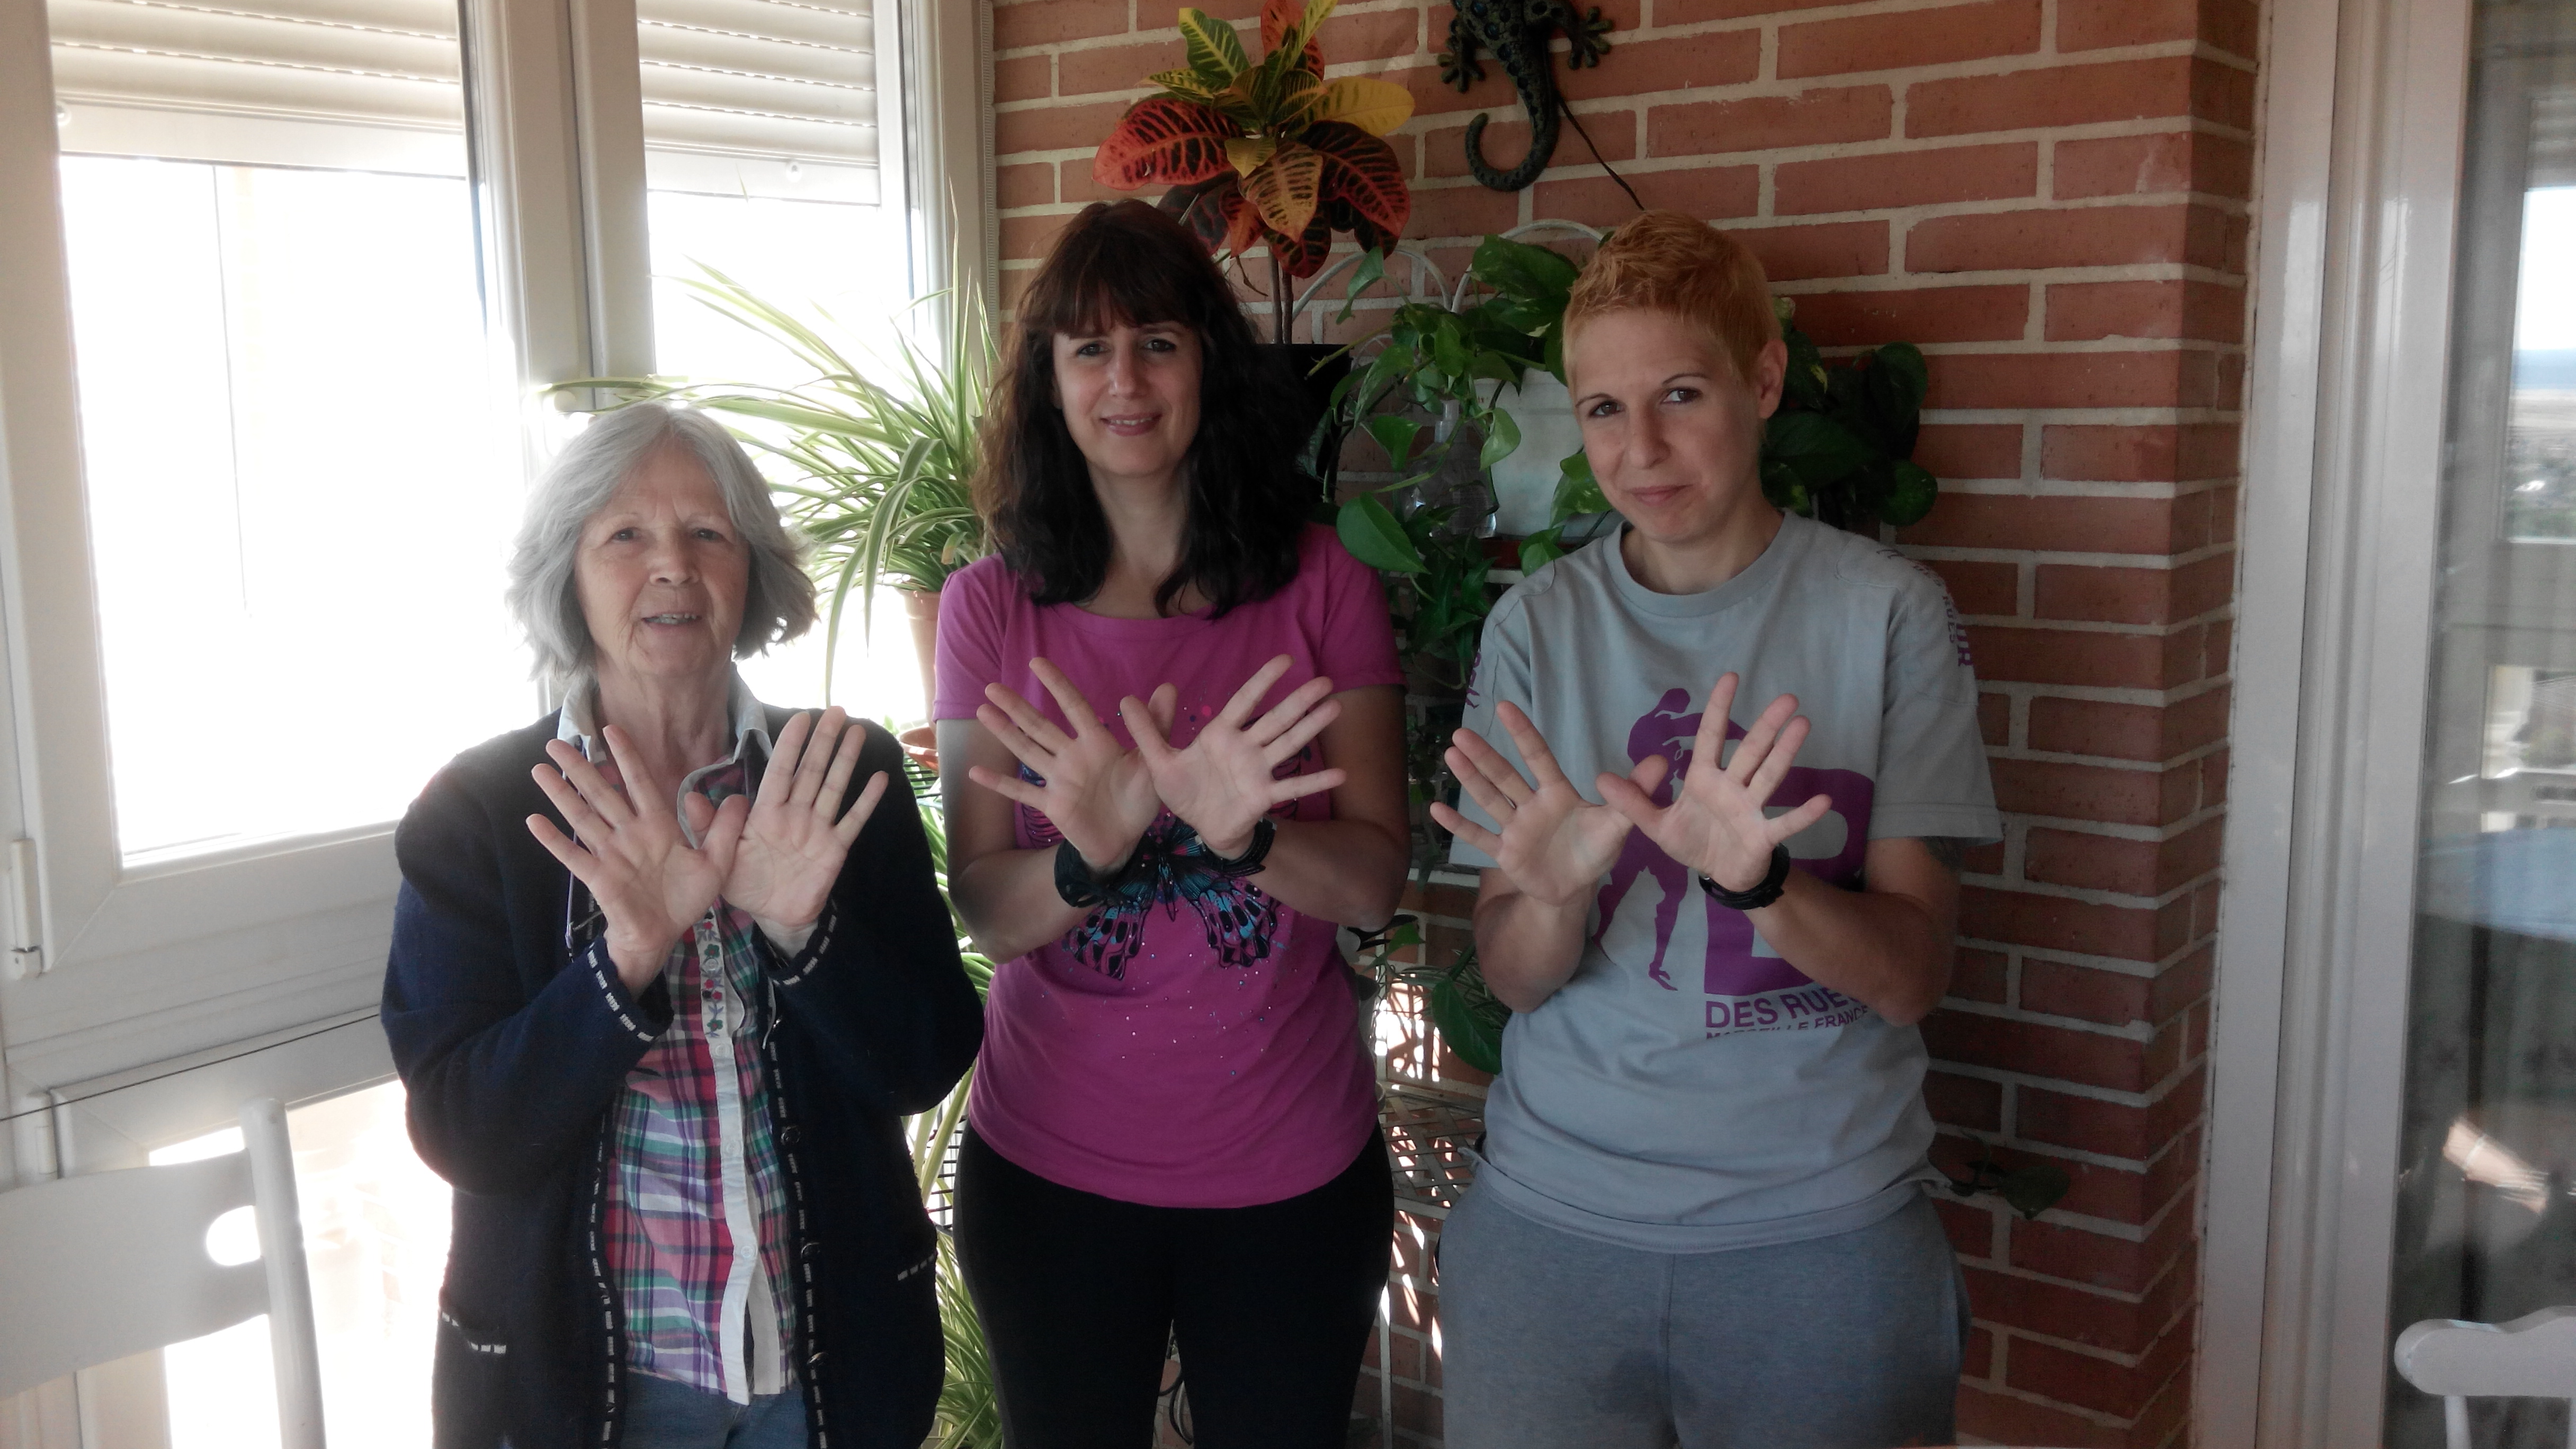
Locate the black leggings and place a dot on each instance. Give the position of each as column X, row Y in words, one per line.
column 1078, row 1293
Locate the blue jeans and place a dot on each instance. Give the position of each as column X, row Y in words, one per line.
column 661, row 1414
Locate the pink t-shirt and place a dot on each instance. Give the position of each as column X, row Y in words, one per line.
column 1200, row 1051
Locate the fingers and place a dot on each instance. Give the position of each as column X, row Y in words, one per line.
column 1755, row 750
column 1009, row 787
column 699, row 812
column 1297, row 787
column 1710, row 743
column 1467, row 830
column 632, row 772
column 1784, row 826
column 585, row 822
column 1488, row 762
column 1783, row 753
column 1623, row 795
column 820, row 754
column 836, row 776
column 1289, row 743
column 580, row 862
column 1165, row 706
column 1532, row 745
column 1022, row 746
column 583, row 777
column 1481, row 787
column 1650, row 772
column 1077, row 710
column 856, row 819
column 1239, row 708
column 1035, row 732
column 1285, row 715
column 778, row 780
column 725, row 835
column 1150, row 734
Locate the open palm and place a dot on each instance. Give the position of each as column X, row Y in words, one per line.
column 1097, row 792
column 1716, row 824
column 796, row 837
column 1554, row 844
column 1224, row 781
column 651, row 884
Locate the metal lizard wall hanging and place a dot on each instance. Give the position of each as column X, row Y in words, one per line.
column 1517, row 33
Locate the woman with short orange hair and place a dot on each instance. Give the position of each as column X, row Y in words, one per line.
column 1702, row 1209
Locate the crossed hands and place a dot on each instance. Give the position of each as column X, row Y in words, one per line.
column 1555, row 845
column 1103, row 796
column 774, row 856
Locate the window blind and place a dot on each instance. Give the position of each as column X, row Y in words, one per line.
column 2553, row 137
column 774, row 97
column 371, row 83
column 762, row 97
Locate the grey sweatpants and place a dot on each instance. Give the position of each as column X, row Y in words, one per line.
column 1553, row 1339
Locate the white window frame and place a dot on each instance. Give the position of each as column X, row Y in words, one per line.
column 2363, row 127
column 131, row 963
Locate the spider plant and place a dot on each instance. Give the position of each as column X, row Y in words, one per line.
column 874, row 468
column 968, row 1415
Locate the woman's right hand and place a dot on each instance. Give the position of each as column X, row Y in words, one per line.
column 651, row 884
column 1554, row 845
column 1097, row 792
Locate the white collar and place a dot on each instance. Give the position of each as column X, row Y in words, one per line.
column 578, row 724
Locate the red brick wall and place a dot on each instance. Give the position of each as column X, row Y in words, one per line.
column 2050, row 197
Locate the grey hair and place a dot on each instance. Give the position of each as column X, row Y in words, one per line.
column 778, row 601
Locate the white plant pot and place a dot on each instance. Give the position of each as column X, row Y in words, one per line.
column 1525, row 482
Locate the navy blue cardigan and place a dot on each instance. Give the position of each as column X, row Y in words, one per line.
column 513, row 1049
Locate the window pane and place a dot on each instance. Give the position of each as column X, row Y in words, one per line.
column 2486, row 1193
column 768, row 163
column 2542, row 470
column 298, row 476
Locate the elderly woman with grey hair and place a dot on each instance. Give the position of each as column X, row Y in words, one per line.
column 661, row 986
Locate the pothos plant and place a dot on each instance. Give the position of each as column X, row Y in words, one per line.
column 1839, row 449
column 1266, row 152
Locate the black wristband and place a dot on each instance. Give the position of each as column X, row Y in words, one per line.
column 1245, row 864
column 1074, row 880
column 1775, row 881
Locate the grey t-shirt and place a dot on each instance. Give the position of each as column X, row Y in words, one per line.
column 1688, row 1090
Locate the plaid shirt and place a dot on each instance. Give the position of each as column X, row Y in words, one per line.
column 693, row 1166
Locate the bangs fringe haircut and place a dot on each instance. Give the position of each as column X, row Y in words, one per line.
column 1664, row 261
column 1127, row 263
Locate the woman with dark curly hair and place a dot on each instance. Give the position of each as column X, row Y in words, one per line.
column 1173, row 1129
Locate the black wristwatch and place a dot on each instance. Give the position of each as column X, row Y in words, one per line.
column 1074, row 880
column 1245, row 864
column 1775, row 881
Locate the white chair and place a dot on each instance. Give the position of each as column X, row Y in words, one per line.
column 110, row 1264
column 2532, row 1357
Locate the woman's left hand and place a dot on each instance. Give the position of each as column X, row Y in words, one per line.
column 1716, row 824
column 792, row 847
column 1224, row 781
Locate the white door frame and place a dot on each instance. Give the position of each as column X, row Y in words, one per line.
column 2362, row 127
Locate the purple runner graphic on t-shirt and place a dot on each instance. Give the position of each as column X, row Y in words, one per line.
column 1731, row 967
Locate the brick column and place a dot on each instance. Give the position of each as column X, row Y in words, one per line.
column 2050, row 196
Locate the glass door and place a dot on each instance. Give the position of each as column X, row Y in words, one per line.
column 2485, row 1221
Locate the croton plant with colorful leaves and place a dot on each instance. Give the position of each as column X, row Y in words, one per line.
column 1266, row 152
